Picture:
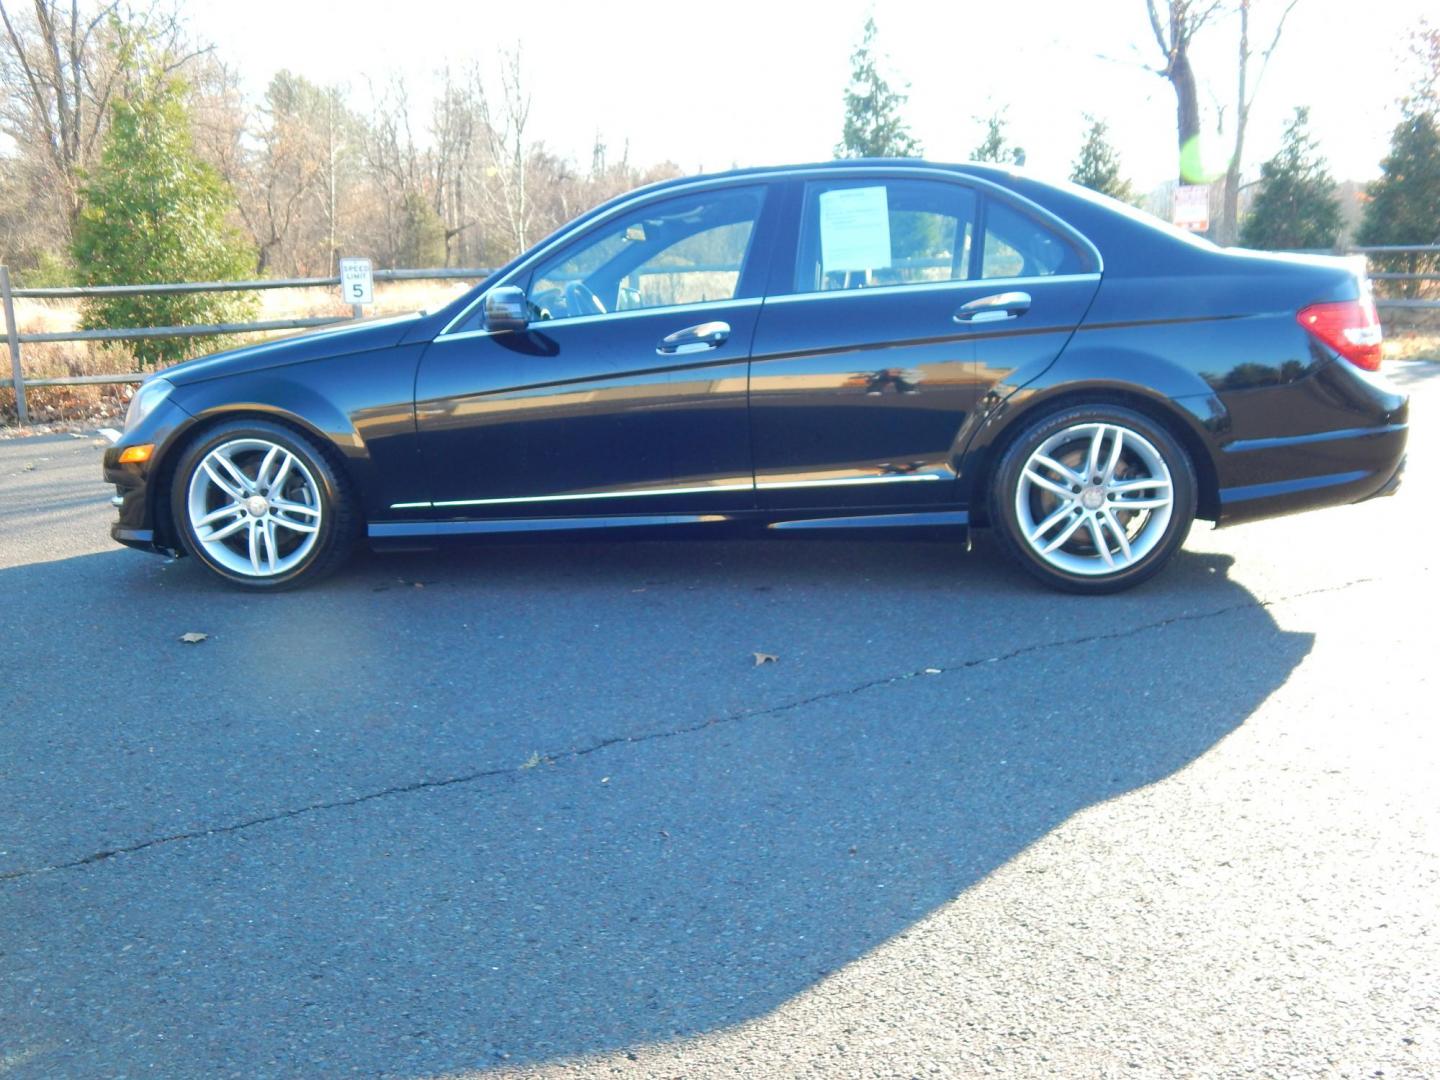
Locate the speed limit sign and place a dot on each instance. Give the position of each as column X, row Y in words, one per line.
column 357, row 281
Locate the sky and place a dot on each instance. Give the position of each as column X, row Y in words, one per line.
column 743, row 82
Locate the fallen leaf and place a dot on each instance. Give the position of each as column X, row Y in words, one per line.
column 533, row 760
column 193, row 637
column 764, row 658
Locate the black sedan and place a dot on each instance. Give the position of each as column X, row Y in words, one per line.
column 807, row 350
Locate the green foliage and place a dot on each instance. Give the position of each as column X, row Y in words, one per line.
column 51, row 271
column 1405, row 201
column 873, row 125
column 1098, row 165
column 422, row 239
column 995, row 146
column 1296, row 207
column 153, row 212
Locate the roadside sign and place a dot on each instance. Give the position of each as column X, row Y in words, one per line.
column 1190, row 208
column 357, row 281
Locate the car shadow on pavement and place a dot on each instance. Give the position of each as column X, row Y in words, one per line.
column 654, row 868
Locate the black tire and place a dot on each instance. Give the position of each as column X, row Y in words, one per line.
column 1161, row 543
column 339, row 517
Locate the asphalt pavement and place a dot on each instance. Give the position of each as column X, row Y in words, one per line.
column 535, row 810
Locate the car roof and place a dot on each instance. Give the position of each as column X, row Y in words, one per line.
column 984, row 171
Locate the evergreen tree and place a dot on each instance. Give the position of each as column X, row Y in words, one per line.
column 154, row 212
column 873, row 124
column 1404, row 203
column 423, row 236
column 995, row 146
column 1098, row 166
column 1296, row 206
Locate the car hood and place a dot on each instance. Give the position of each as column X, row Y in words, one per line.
column 316, row 345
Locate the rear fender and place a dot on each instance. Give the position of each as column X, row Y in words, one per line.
column 1195, row 416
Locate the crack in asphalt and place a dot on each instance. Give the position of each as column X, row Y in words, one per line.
column 715, row 721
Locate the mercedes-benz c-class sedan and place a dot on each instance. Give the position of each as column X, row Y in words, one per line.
column 851, row 347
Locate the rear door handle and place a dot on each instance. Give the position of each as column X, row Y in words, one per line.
column 694, row 339
column 994, row 308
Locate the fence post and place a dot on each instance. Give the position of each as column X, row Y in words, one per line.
column 12, row 333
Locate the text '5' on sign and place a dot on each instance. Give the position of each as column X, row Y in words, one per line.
column 357, row 281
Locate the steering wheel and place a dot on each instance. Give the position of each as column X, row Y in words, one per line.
column 580, row 300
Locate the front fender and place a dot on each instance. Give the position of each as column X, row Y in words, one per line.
column 361, row 407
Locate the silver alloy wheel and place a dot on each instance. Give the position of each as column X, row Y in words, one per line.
column 1094, row 499
column 254, row 507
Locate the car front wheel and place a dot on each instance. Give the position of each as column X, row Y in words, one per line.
column 261, row 506
column 1093, row 499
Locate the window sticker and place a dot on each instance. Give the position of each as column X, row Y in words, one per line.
column 854, row 229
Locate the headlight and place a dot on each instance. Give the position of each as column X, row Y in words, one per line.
column 152, row 391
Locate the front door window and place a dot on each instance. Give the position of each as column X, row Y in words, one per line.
column 676, row 253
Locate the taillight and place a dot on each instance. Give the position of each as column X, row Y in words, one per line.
column 1350, row 327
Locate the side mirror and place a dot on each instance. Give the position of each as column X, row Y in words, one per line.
column 506, row 308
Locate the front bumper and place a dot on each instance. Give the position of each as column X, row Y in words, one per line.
column 136, row 522
column 140, row 539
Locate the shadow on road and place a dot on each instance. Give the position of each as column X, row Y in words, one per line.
column 722, row 858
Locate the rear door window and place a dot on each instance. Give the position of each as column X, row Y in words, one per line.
column 864, row 234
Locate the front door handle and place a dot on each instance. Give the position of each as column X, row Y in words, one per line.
column 994, row 308
column 693, row 339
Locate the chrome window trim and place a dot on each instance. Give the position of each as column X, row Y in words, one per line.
column 581, row 320
column 769, row 176
column 701, row 489
column 931, row 286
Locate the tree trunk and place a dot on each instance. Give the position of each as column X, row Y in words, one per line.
column 1229, row 230
column 1187, row 101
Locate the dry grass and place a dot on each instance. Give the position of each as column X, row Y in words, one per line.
column 1413, row 345
column 102, row 404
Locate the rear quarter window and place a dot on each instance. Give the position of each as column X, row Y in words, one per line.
column 1016, row 245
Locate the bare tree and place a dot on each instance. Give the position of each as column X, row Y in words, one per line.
column 1174, row 33
column 509, row 153
column 60, row 67
column 454, row 126
column 311, row 177
column 392, row 165
column 339, row 150
column 1229, row 230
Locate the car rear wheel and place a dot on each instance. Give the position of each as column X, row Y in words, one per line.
column 261, row 506
column 1093, row 499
